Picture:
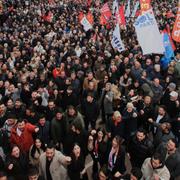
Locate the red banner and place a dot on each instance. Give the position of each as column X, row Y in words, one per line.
column 176, row 28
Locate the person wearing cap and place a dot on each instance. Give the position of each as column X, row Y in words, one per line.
column 58, row 129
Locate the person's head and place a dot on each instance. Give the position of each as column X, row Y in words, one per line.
column 90, row 97
column 76, row 150
column 136, row 174
column 50, row 151
column 10, row 104
column 141, row 134
column 2, row 108
column 90, row 76
column 71, row 111
column 18, row 103
column 156, row 160
column 162, row 110
column 171, row 145
column 165, row 127
column 117, row 116
column 116, row 142
column 3, row 175
column 173, row 96
column 51, row 104
column 59, row 114
column 15, row 151
column 156, row 82
column 91, row 85
column 42, row 119
column 38, row 143
column 11, row 119
column 100, row 133
column 108, row 86
column 33, row 173
column 21, row 124
column 130, row 107
column 147, row 100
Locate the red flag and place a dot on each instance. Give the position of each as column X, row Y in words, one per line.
column 170, row 37
column 102, row 20
column 176, row 28
column 80, row 16
column 106, row 12
column 90, row 17
column 122, row 17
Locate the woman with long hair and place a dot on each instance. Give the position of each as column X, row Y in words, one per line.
column 76, row 168
column 16, row 164
column 116, row 158
column 35, row 151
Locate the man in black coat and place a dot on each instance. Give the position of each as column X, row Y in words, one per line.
column 90, row 110
column 139, row 148
column 44, row 129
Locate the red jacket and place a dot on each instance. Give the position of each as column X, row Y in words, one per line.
column 25, row 140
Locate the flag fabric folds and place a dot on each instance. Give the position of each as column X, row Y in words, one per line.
column 116, row 41
column 128, row 9
column 169, row 53
column 176, row 28
column 135, row 9
column 105, row 14
column 86, row 24
column 148, row 34
column 145, row 5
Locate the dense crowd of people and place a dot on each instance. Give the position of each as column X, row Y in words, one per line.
column 72, row 107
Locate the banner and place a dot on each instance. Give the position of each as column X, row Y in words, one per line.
column 169, row 53
column 116, row 41
column 148, row 34
column 135, row 9
column 145, row 5
column 115, row 7
column 86, row 24
column 128, row 10
column 176, row 28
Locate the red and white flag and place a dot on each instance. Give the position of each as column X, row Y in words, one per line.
column 105, row 11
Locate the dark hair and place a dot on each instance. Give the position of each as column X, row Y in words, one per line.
column 174, row 141
column 158, row 156
column 33, row 171
column 119, row 139
column 136, row 172
column 50, row 145
column 41, row 116
column 142, row 130
column 34, row 148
